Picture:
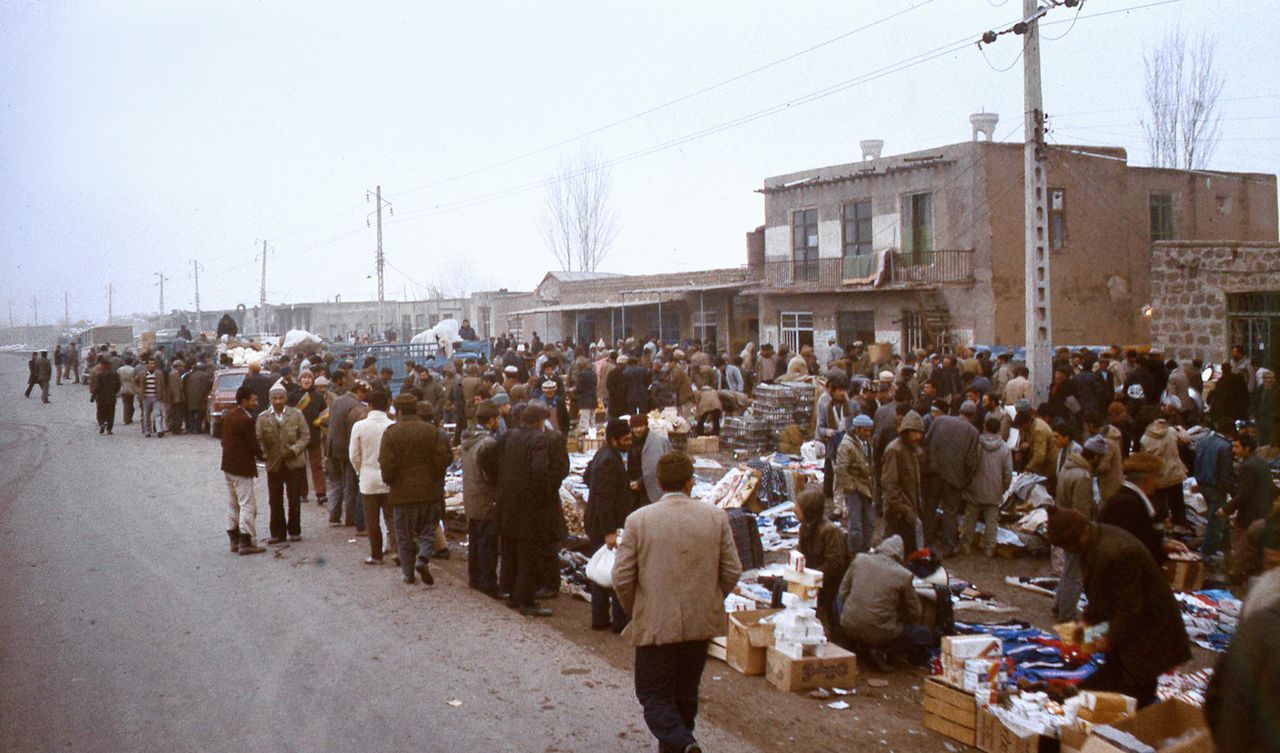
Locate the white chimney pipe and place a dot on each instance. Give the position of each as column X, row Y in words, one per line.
column 871, row 148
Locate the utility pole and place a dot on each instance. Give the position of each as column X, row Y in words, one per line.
column 1039, row 327
column 195, row 270
column 379, row 260
column 162, row 279
column 66, row 310
column 35, row 310
column 109, row 301
column 262, row 292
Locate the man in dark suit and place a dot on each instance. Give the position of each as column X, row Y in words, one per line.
column 31, row 374
column 609, row 502
column 240, row 453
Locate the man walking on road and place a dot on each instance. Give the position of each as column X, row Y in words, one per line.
column 44, row 372
column 283, row 435
column 240, row 453
column 675, row 564
column 413, row 457
column 106, row 385
column 151, row 388
column 31, row 373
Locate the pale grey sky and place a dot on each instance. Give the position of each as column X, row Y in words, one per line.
column 136, row 136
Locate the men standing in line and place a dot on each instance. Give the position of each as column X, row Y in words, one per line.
column 106, row 384
column 479, row 495
column 44, row 372
column 675, row 565
column 240, row 452
column 283, row 435
column 413, row 458
column 366, row 444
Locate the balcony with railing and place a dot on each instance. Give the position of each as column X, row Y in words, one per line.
column 901, row 269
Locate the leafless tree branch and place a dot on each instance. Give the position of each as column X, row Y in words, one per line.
column 1182, row 89
column 578, row 222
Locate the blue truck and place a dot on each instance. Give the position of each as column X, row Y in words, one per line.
column 394, row 356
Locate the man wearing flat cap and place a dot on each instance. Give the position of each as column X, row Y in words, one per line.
column 1128, row 592
column 283, row 435
column 675, row 564
column 1132, row 507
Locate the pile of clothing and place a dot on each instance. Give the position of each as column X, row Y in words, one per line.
column 1210, row 617
column 1037, row 658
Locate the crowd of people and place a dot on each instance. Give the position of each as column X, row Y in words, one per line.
column 920, row 449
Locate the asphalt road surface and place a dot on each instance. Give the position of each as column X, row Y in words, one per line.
column 127, row 625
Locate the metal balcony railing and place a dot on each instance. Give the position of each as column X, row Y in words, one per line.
column 903, row 268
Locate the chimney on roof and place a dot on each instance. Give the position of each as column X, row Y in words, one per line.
column 871, row 148
column 984, row 123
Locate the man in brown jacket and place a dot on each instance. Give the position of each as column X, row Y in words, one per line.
column 900, row 481
column 413, row 457
column 283, row 435
column 675, row 564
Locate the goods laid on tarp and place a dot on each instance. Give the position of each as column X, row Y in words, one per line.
column 301, row 341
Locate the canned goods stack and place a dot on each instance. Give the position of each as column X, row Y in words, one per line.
column 747, row 432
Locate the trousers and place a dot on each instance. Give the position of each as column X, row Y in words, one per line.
column 126, row 408
column 1114, row 677
column 375, row 506
column 242, row 506
column 415, row 524
column 860, row 519
column 315, row 460
column 521, row 568
column 1070, row 585
column 482, row 555
column 1215, row 498
column 667, row 679
column 106, row 412
column 990, row 515
column 951, row 501
column 293, row 483
column 152, row 409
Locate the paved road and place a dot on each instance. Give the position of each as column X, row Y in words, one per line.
column 128, row 626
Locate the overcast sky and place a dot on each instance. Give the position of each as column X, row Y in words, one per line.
column 137, row 136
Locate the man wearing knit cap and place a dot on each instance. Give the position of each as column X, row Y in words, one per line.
column 853, row 473
column 1128, row 592
column 675, row 565
column 284, row 435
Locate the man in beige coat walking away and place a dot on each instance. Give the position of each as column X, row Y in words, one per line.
column 675, row 564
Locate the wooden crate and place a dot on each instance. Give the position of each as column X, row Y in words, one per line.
column 950, row 711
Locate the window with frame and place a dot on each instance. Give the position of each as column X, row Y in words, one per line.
column 1161, row 216
column 917, row 226
column 804, row 244
column 796, row 328
column 1057, row 218
column 857, row 228
column 854, row 326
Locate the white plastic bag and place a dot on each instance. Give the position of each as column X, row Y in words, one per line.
column 600, row 567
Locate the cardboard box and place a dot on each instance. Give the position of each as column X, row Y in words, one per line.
column 829, row 667
column 717, row 649
column 748, row 641
column 950, row 711
column 704, row 445
column 1185, row 573
column 994, row 736
column 1106, row 708
column 1156, row 724
column 963, row 647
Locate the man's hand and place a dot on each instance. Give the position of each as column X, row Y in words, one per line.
column 1173, row 545
column 635, row 486
column 611, row 540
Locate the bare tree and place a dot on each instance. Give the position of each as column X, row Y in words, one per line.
column 1182, row 101
column 578, row 222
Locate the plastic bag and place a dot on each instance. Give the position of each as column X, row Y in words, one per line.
column 600, row 567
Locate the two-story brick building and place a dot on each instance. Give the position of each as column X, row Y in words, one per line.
column 926, row 248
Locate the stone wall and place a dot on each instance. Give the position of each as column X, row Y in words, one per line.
column 1190, row 281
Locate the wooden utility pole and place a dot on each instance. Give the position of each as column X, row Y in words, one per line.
column 162, row 279
column 195, row 270
column 1039, row 327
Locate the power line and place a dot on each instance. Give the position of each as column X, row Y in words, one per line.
column 668, row 103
